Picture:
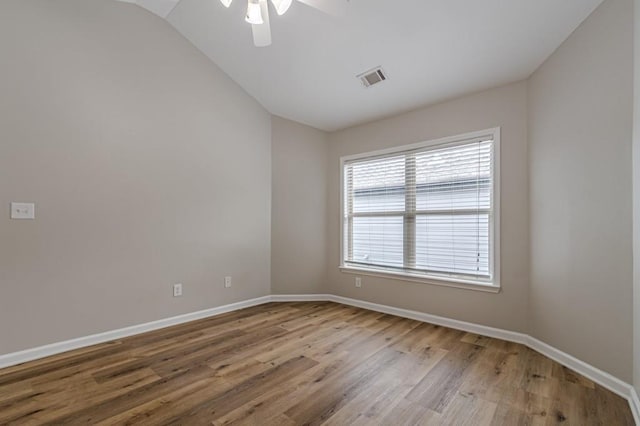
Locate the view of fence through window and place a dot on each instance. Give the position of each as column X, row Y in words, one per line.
column 423, row 210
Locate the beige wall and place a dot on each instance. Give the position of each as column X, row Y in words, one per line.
column 504, row 107
column 298, row 225
column 148, row 166
column 580, row 161
column 636, row 198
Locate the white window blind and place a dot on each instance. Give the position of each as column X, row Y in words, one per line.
column 427, row 210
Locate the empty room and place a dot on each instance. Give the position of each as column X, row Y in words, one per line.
column 320, row 212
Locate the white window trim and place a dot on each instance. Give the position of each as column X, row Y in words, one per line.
column 457, row 282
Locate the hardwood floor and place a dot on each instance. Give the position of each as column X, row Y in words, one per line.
column 305, row 363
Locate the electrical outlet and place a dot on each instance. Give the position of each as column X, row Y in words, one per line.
column 358, row 282
column 227, row 282
column 23, row 211
column 177, row 290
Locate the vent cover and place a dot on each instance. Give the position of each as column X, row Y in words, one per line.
column 371, row 77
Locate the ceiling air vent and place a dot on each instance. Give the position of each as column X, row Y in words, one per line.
column 371, row 77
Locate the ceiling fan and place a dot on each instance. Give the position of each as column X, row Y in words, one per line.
column 258, row 14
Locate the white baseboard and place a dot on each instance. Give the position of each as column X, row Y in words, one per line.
column 604, row 379
column 497, row 333
column 634, row 403
column 301, row 297
column 81, row 342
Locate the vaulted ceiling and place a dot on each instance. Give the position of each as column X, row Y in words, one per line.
column 432, row 50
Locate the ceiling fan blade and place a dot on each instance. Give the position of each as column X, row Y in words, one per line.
column 262, row 32
column 332, row 7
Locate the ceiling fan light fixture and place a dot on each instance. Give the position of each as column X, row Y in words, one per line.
column 281, row 6
column 254, row 13
column 226, row 3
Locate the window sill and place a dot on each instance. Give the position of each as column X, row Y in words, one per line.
column 424, row 279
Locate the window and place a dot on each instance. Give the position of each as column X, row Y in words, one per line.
column 426, row 211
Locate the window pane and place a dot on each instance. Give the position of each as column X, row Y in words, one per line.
column 454, row 178
column 453, row 243
column 454, row 195
column 378, row 185
column 378, row 240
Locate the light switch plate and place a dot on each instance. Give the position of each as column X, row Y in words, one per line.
column 23, row 211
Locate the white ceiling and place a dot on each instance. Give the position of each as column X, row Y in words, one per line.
column 432, row 50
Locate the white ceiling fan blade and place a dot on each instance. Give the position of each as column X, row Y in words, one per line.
column 262, row 32
column 332, row 7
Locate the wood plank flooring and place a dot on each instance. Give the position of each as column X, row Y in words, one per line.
column 304, row 364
